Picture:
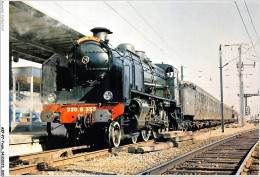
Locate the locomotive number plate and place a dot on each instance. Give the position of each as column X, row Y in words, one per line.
column 81, row 109
column 88, row 38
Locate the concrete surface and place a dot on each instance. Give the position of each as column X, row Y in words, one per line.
column 27, row 142
column 24, row 142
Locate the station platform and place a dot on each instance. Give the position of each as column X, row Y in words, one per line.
column 24, row 142
column 27, row 142
column 28, row 127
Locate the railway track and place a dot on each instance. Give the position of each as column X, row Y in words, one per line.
column 34, row 162
column 250, row 165
column 223, row 157
column 31, row 158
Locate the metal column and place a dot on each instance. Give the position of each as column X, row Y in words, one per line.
column 10, row 66
column 31, row 94
column 245, row 105
column 10, row 85
column 241, row 94
column 18, row 90
column 181, row 73
column 14, row 97
column 182, row 95
column 221, row 88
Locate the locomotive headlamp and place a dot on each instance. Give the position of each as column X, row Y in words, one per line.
column 108, row 95
column 52, row 97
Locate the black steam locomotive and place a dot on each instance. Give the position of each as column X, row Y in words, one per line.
column 106, row 94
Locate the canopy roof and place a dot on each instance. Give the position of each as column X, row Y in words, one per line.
column 36, row 36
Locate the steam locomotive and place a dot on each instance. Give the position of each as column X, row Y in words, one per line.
column 106, row 94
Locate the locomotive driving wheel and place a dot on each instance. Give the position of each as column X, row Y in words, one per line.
column 115, row 134
column 134, row 139
column 145, row 134
column 155, row 133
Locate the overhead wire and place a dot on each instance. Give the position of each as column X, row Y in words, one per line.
column 155, row 30
column 252, row 60
column 245, row 27
column 69, row 12
column 251, row 20
column 136, row 29
column 165, row 41
column 125, row 21
column 172, row 58
column 150, row 26
column 241, row 54
column 141, row 32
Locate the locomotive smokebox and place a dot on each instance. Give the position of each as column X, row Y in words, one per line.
column 91, row 58
column 101, row 33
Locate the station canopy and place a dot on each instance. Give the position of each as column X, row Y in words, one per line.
column 36, row 36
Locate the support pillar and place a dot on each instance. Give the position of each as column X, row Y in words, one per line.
column 241, row 95
column 181, row 73
column 18, row 90
column 221, row 89
column 14, row 98
column 31, row 94
column 10, row 86
column 245, row 105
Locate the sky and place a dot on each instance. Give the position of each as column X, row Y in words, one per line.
column 179, row 33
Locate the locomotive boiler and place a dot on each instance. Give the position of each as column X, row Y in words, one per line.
column 103, row 93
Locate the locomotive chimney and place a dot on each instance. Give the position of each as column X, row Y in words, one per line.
column 101, row 33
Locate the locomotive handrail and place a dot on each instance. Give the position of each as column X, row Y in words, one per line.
column 97, row 69
column 154, row 96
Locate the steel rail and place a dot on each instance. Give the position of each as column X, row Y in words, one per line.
column 44, row 153
column 178, row 160
column 242, row 166
column 27, row 169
